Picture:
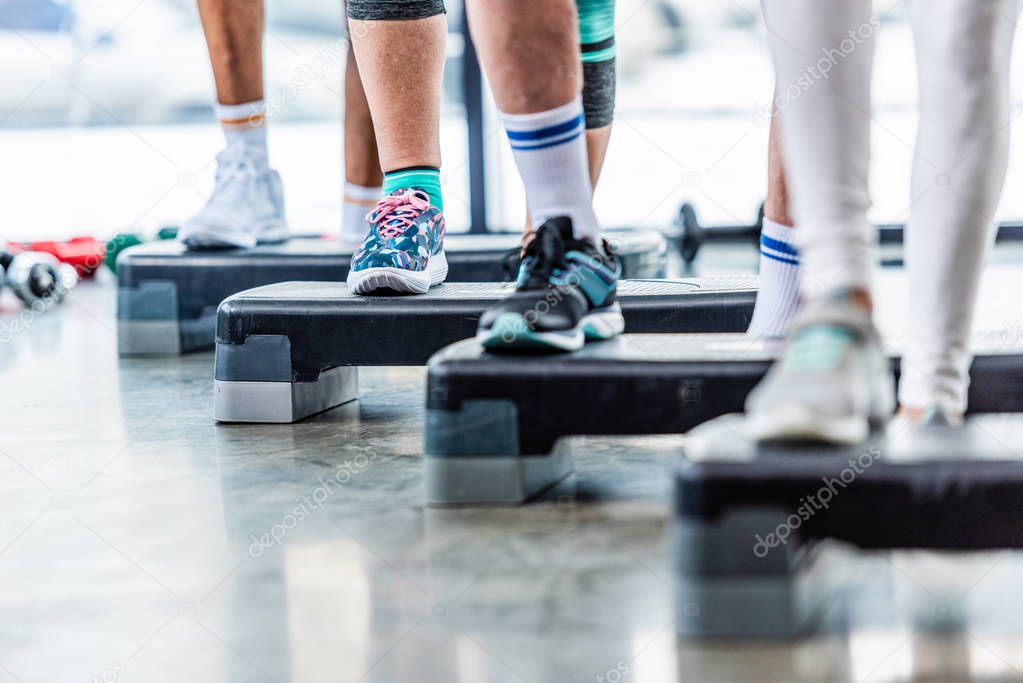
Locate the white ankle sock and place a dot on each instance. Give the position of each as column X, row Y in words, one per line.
column 778, row 297
column 359, row 201
column 550, row 151
column 244, row 124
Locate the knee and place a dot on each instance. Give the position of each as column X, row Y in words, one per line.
column 972, row 50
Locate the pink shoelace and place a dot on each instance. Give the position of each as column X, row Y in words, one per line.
column 396, row 212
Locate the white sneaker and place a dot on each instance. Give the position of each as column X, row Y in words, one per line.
column 831, row 384
column 245, row 209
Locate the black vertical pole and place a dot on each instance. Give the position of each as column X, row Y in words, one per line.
column 472, row 86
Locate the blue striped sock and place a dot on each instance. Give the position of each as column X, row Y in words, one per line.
column 550, row 152
column 778, row 297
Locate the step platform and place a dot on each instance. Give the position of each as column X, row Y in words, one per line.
column 167, row 297
column 290, row 350
column 746, row 517
column 493, row 420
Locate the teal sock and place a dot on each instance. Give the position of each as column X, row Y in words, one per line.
column 425, row 178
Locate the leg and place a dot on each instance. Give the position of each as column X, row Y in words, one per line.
column 776, row 206
column 833, row 381
column 401, row 61
column 247, row 204
column 778, row 297
column 234, row 36
column 363, row 177
column 543, row 116
column 963, row 50
column 597, row 140
column 597, row 48
column 566, row 287
column 399, row 49
column 826, row 128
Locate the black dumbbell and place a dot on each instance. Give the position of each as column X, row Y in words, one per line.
column 34, row 278
column 694, row 236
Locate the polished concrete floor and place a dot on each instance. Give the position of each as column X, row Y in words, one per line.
column 141, row 541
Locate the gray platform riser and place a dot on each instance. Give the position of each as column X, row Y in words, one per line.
column 491, row 480
column 148, row 338
column 283, row 402
column 724, row 589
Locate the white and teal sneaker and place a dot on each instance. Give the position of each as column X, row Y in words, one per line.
column 832, row 382
column 565, row 295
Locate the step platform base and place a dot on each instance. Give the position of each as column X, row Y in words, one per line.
column 747, row 516
column 674, row 382
column 294, row 331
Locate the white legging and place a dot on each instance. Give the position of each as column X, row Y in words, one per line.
column 823, row 53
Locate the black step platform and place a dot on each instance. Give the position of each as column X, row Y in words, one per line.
column 167, row 297
column 289, row 350
column 493, row 421
column 746, row 515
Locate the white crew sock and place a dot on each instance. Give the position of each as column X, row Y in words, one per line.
column 778, row 297
column 359, row 201
column 550, row 151
column 244, row 125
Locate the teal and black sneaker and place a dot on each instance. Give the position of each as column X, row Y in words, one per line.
column 565, row 295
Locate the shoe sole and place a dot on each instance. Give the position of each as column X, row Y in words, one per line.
column 602, row 324
column 222, row 239
column 510, row 333
column 795, row 423
column 392, row 279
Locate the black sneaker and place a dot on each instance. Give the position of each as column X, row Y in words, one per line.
column 564, row 296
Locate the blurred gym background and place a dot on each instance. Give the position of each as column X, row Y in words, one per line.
column 106, row 126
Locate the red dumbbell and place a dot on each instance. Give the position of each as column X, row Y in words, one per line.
column 84, row 253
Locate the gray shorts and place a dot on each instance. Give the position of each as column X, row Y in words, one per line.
column 394, row 10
